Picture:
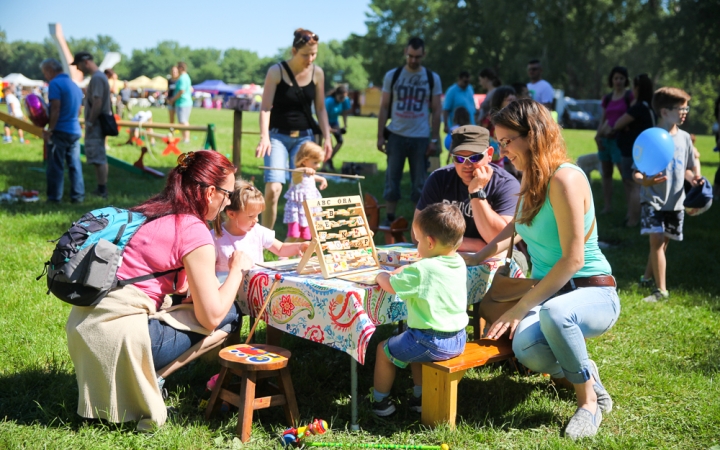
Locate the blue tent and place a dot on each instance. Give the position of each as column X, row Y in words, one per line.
column 214, row 87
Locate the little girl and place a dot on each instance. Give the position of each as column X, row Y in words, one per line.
column 240, row 230
column 309, row 158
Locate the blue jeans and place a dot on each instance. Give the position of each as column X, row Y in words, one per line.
column 551, row 338
column 415, row 345
column 399, row 148
column 283, row 149
column 62, row 148
column 168, row 343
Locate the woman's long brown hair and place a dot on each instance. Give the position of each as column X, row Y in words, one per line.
column 547, row 151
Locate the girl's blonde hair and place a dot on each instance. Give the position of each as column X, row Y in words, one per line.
column 309, row 150
column 243, row 196
column 547, row 151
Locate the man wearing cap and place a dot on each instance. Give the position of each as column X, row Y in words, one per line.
column 97, row 101
column 485, row 193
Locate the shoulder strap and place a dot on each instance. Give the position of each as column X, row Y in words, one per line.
column 431, row 81
column 301, row 96
column 395, row 77
column 627, row 99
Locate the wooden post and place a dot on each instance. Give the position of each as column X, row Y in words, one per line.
column 237, row 140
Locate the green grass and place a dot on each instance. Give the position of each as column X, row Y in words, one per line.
column 660, row 362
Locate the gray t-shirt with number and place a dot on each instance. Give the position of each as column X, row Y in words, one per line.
column 411, row 100
column 670, row 195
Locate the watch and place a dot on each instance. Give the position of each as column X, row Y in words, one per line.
column 481, row 194
column 434, row 141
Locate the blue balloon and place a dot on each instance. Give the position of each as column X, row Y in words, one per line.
column 448, row 141
column 653, row 150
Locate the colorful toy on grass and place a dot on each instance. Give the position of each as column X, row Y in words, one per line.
column 293, row 436
column 37, row 110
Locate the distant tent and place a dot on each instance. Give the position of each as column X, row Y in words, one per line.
column 160, row 83
column 214, row 87
column 141, row 82
column 19, row 79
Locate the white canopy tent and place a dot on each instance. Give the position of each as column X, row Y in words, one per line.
column 19, row 79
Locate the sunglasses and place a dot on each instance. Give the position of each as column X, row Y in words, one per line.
column 474, row 159
column 304, row 39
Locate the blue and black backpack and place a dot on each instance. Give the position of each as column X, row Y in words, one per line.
column 83, row 267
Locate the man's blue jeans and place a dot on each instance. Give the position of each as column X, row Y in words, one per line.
column 399, row 148
column 551, row 337
column 62, row 148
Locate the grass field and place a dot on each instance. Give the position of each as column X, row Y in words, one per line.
column 660, row 362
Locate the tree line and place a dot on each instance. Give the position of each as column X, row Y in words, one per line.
column 676, row 42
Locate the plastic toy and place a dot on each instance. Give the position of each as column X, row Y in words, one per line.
column 653, row 150
column 293, row 436
column 37, row 110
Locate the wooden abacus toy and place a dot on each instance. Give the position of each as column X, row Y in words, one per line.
column 341, row 237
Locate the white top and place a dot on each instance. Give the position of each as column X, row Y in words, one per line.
column 541, row 91
column 142, row 116
column 13, row 105
column 253, row 243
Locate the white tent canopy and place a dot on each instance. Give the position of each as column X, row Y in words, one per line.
column 19, row 79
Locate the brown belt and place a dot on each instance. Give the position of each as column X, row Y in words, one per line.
column 594, row 281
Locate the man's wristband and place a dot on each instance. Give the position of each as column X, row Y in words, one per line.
column 434, row 141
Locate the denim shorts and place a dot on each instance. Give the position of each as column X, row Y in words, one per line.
column 168, row 343
column 283, row 149
column 415, row 345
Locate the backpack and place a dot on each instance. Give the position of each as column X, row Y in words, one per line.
column 83, row 267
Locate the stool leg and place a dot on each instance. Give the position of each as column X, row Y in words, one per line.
column 475, row 321
column 291, row 408
column 247, row 399
column 214, row 405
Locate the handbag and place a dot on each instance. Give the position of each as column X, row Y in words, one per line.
column 108, row 125
column 505, row 291
column 301, row 96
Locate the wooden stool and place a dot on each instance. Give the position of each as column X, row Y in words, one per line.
column 253, row 363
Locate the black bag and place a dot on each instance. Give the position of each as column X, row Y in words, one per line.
column 301, row 96
column 108, row 125
column 396, row 75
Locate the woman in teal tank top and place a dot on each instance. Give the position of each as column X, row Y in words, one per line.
column 576, row 296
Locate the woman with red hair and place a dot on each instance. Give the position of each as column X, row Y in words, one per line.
column 575, row 297
column 125, row 346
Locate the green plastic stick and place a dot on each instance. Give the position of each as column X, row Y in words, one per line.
column 379, row 446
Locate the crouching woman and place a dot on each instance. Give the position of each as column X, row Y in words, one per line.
column 124, row 346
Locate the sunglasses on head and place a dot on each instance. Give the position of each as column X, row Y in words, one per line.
column 304, row 39
column 474, row 159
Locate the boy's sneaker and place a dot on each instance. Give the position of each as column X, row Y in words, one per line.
column 656, row 296
column 383, row 408
column 415, row 404
column 646, row 282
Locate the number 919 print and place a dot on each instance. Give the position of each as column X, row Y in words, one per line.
column 410, row 98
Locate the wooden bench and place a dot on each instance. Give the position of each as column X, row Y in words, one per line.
column 440, row 379
column 395, row 232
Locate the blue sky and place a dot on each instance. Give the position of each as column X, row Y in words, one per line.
column 261, row 26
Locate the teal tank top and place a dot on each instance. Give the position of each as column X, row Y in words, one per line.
column 543, row 241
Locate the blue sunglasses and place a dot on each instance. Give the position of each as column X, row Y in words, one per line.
column 474, row 159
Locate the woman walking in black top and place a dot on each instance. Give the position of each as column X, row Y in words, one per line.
column 291, row 88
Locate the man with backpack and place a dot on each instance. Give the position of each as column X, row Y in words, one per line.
column 409, row 94
column 97, row 102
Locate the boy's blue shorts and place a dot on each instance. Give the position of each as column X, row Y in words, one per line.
column 415, row 345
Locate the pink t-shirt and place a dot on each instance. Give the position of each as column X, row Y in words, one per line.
column 614, row 109
column 252, row 243
column 158, row 246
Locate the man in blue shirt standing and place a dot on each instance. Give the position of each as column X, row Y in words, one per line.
column 337, row 104
column 459, row 94
column 63, row 133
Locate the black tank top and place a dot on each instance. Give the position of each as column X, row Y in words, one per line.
column 287, row 112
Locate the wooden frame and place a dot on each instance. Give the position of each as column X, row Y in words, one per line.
column 341, row 237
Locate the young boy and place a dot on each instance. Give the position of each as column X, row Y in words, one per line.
column 662, row 194
column 434, row 290
column 14, row 109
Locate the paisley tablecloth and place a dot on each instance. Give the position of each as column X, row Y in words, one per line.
column 338, row 313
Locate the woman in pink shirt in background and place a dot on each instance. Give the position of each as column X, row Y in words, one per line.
column 614, row 105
